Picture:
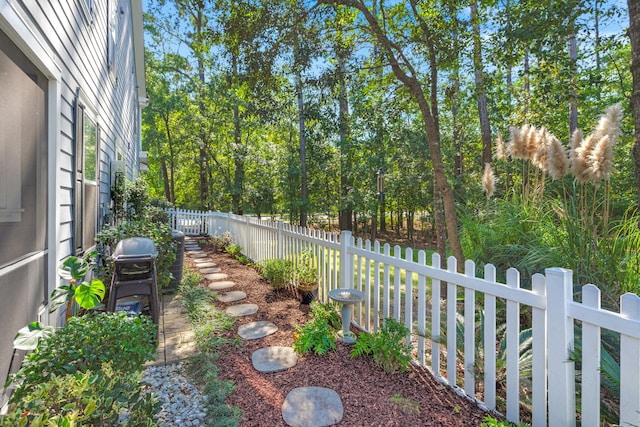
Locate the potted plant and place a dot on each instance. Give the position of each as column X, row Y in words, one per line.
column 306, row 277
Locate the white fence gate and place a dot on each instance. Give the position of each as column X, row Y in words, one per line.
column 466, row 335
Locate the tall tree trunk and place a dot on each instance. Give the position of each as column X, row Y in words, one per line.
column 634, row 35
column 202, row 157
column 169, row 180
column 573, row 93
column 458, row 159
column 346, row 168
column 303, row 153
column 165, row 178
column 483, row 113
column 527, row 85
column 239, row 154
column 438, row 212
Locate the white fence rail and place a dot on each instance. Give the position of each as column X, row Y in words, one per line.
column 453, row 319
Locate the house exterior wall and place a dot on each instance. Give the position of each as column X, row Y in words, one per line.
column 71, row 43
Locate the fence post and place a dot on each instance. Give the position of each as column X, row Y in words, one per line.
column 280, row 237
column 346, row 261
column 629, row 370
column 560, row 371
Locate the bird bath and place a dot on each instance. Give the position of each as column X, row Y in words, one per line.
column 346, row 297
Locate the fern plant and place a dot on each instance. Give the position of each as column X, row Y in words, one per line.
column 318, row 334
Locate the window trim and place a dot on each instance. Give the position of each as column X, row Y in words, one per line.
column 84, row 109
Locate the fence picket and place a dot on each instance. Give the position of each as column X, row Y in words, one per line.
column 629, row 366
column 489, row 343
column 386, row 298
column 590, row 361
column 452, row 327
column 436, row 334
column 513, row 351
column 469, row 332
column 422, row 309
column 408, row 297
column 397, row 273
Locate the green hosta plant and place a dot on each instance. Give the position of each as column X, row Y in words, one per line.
column 387, row 346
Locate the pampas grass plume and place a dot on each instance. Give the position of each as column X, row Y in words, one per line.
column 516, row 147
column 501, row 152
column 557, row 161
column 488, row 180
column 601, row 160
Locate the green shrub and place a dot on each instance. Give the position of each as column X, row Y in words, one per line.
column 86, row 343
column 220, row 243
column 277, row 271
column 159, row 233
column 99, row 398
column 318, row 334
column 387, row 346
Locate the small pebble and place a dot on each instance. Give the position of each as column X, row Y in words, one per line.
column 182, row 403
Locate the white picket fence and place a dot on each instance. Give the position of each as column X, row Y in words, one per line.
column 468, row 338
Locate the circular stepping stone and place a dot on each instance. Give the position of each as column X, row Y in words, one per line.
column 194, row 251
column 209, row 270
column 274, row 359
column 216, row 276
column 218, row 286
column 199, row 255
column 232, row 296
column 242, row 310
column 255, row 330
column 312, row 406
column 205, row 263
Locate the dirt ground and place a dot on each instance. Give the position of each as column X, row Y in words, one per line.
column 369, row 395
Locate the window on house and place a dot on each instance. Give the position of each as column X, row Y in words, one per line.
column 23, row 155
column 86, row 178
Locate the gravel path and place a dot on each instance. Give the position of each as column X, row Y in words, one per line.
column 182, row 403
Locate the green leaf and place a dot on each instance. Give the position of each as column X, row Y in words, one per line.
column 60, row 296
column 90, row 408
column 88, row 295
column 73, row 268
column 28, row 337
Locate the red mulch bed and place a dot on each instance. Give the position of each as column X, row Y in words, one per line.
column 370, row 397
